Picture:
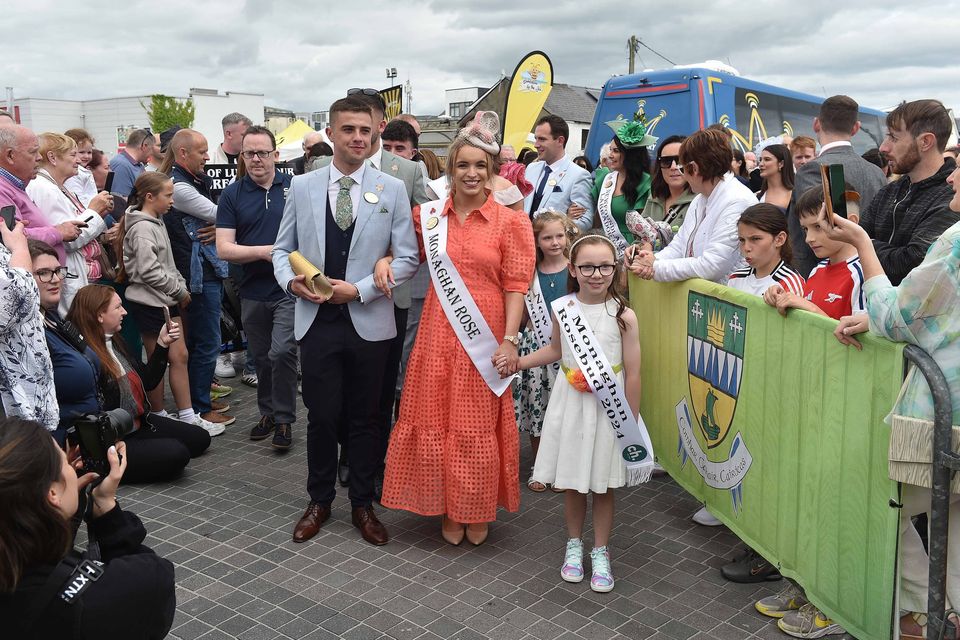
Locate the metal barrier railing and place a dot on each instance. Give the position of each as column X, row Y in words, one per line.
column 945, row 463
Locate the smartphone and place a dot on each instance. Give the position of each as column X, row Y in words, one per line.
column 9, row 215
column 108, row 183
column 166, row 315
column 834, row 187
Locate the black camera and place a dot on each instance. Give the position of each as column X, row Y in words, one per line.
column 95, row 433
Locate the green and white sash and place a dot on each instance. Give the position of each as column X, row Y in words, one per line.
column 604, row 208
column 630, row 431
column 458, row 305
column 539, row 313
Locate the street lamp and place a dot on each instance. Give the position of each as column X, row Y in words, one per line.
column 391, row 73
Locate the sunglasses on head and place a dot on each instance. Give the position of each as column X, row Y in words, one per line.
column 366, row 92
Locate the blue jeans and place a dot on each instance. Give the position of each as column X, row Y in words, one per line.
column 203, row 342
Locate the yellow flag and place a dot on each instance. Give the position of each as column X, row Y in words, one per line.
column 393, row 98
column 531, row 84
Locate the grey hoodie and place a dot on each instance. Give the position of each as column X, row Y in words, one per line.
column 152, row 276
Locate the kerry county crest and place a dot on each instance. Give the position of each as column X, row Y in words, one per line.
column 715, row 340
column 716, row 336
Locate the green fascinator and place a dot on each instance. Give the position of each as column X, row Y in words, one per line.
column 632, row 133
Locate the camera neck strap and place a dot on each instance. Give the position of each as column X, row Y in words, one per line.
column 93, row 545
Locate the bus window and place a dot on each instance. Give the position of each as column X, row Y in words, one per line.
column 761, row 115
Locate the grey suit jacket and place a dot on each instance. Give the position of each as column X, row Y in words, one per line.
column 866, row 178
column 573, row 184
column 381, row 226
column 410, row 174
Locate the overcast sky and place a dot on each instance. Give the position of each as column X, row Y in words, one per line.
column 303, row 55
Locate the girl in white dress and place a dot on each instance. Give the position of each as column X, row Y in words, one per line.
column 578, row 448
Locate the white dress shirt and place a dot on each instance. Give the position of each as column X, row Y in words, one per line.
column 377, row 157
column 832, row 145
column 334, row 187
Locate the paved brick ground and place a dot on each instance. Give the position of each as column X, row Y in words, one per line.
column 227, row 525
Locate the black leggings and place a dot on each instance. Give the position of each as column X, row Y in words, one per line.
column 160, row 450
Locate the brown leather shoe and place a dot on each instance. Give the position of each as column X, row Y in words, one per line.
column 309, row 523
column 371, row 529
column 218, row 418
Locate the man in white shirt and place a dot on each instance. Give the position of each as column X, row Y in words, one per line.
column 558, row 182
column 234, row 126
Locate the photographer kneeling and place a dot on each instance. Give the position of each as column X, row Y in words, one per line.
column 91, row 375
column 48, row 590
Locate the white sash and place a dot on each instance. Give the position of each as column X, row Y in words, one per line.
column 610, row 227
column 539, row 313
column 458, row 305
column 635, row 447
column 540, row 317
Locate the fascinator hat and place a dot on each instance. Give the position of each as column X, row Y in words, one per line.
column 632, row 133
column 482, row 132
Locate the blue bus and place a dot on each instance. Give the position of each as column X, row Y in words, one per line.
column 686, row 99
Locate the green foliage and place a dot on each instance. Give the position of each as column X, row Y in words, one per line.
column 165, row 112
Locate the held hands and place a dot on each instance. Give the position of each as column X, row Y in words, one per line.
column 505, row 359
column 641, row 263
column 169, row 333
column 208, row 234
column 383, row 276
column 850, row 326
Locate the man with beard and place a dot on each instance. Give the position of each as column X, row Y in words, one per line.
column 909, row 214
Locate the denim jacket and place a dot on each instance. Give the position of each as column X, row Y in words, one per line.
column 192, row 225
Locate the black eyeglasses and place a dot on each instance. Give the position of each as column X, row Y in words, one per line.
column 373, row 93
column 587, row 270
column 667, row 161
column 46, row 275
column 250, row 155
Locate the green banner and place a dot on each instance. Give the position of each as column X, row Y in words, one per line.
column 779, row 429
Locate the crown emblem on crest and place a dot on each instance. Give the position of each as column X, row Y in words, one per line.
column 715, row 328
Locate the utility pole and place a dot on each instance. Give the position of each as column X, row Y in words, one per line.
column 408, row 89
column 633, row 46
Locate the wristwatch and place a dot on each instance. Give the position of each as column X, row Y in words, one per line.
column 358, row 298
column 514, row 340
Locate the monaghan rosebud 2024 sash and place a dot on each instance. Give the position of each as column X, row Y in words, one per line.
column 635, row 446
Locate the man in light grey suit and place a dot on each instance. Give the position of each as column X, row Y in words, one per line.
column 409, row 173
column 343, row 218
column 836, row 124
column 558, row 182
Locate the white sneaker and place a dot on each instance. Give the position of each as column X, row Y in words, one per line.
column 707, row 519
column 225, row 367
column 249, row 379
column 210, row 427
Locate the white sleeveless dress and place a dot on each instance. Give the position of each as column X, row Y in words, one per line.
column 578, row 449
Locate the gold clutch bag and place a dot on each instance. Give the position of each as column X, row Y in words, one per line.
column 315, row 280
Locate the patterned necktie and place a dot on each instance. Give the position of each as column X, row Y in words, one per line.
column 344, row 214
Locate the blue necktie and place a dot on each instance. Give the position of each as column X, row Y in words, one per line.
column 538, row 195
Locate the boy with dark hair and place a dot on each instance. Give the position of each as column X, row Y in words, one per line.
column 835, row 286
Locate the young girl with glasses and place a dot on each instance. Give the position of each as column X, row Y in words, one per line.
column 578, row 448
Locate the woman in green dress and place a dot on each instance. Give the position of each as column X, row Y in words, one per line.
column 624, row 185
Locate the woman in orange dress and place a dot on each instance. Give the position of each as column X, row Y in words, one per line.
column 454, row 451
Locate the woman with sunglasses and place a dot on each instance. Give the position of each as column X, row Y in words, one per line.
column 669, row 198
column 706, row 245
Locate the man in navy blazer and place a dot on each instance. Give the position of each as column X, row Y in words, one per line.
column 343, row 218
column 557, row 181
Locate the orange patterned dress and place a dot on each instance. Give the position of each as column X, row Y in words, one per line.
column 455, row 448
